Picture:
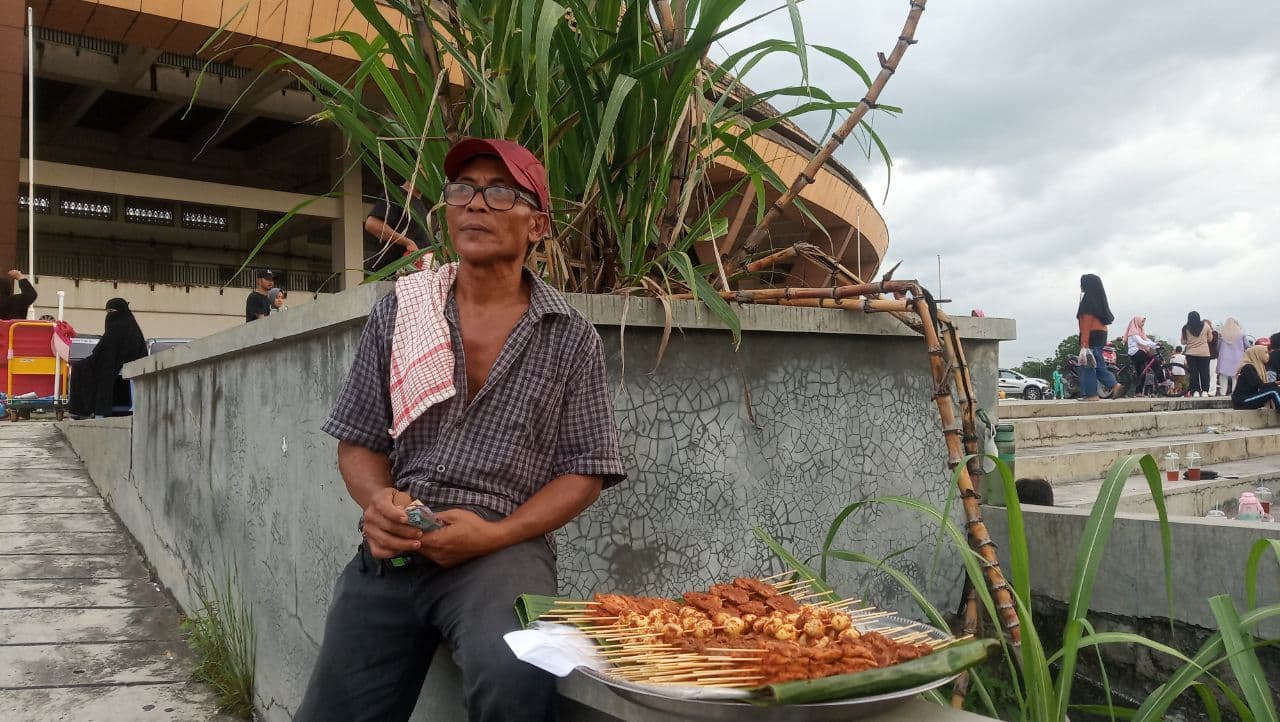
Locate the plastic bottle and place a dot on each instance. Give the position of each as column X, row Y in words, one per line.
column 1264, row 497
column 1250, row 509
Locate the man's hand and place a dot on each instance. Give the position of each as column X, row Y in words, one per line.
column 409, row 246
column 15, row 274
column 386, row 528
column 465, row 536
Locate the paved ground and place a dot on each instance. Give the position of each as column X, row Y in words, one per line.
column 84, row 632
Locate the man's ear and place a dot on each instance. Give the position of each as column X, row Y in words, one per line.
column 540, row 228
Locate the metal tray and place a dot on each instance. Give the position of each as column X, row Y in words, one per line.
column 733, row 705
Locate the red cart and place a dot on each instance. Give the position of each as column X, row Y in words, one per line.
column 34, row 377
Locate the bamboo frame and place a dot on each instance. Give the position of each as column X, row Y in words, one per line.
column 949, row 368
column 887, row 68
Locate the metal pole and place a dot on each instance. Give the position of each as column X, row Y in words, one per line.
column 940, row 275
column 57, row 360
column 31, row 152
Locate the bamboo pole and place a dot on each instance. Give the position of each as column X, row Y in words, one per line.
column 422, row 32
column 790, row 294
column 887, row 67
column 979, row 535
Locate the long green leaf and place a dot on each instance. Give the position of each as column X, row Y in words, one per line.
column 1089, row 558
column 1244, row 661
column 1259, row 548
column 797, row 27
column 801, row 569
column 621, row 88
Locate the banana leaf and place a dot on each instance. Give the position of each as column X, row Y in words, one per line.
column 942, row 663
column 531, row 606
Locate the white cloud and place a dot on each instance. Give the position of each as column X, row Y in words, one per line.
column 1040, row 142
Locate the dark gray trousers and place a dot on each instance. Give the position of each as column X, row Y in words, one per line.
column 385, row 623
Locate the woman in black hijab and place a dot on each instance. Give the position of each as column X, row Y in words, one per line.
column 93, row 378
column 1197, row 336
column 1094, row 315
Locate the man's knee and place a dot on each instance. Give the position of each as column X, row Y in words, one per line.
column 500, row 687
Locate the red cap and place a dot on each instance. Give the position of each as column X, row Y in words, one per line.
column 524, row 167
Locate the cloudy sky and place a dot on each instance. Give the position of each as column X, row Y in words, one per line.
column 1139, row 141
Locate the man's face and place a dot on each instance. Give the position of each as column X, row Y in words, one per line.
column 265, row 284
column 483, row 235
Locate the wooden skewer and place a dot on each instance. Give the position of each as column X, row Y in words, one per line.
column 775, row 576
column 585, row 602
column 842, row 602
column 815, row 594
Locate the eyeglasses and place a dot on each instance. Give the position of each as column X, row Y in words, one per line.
column 499, row 198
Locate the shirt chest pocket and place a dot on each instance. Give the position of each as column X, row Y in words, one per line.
column 541, row 394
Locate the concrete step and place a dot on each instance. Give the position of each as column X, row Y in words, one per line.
column 1182, row 497
column 1058, row 430
column 1010, row 409
column 1086, row 461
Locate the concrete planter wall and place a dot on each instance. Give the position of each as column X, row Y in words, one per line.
column 817, row 409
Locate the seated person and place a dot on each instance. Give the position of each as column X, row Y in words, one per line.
column 93, row 378
column 1253, row 390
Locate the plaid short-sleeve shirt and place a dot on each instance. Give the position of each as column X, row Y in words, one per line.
column 543, row 412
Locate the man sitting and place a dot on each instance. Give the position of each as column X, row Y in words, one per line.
column 520, row 439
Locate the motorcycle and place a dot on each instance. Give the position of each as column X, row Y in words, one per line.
column 1071, row 374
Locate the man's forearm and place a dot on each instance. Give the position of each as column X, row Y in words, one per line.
column 384, row 232
column 553, row 506
column 364, row 471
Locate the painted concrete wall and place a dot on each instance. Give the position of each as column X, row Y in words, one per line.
column 817, row 409
column 162, row 311
column 1209, row 559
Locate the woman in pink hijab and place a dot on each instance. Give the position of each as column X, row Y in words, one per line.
column 1141, row 349
column 1230, row 355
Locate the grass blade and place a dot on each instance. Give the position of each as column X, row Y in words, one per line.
column 1260, row 547
column 1236, row 639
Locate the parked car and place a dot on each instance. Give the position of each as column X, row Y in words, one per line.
column 1016, row 385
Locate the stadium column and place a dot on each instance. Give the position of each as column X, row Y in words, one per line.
column 13, row 48
column 347, row 246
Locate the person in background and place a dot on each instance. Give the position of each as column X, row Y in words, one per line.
column 1059, row 385
column 14, row 306
column 276, row 297
column 257, row 305
column 1178, row 369
column 1140, row 349
column 1252, row 390
column 1273, row 360
column 1094, row 315
column 1196, row 336
column 1231, row 346
column 93, row 378
column 392, row 230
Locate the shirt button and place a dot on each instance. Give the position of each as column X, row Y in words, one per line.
column 440, row 468
column 457, row 424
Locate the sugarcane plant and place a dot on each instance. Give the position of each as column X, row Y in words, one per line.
column 619, row 101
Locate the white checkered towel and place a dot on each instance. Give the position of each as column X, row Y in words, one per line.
column 421, row 354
